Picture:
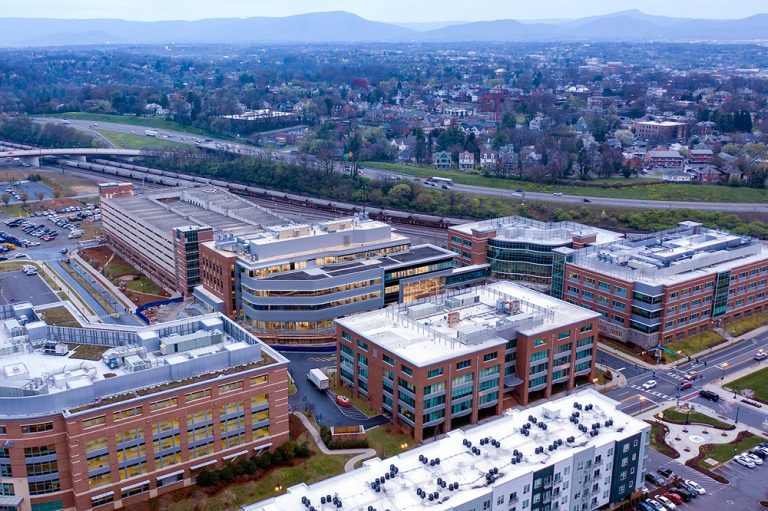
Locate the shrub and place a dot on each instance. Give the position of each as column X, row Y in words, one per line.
column 208, row 478
column 302, row 450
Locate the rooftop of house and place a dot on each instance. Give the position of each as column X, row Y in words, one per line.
column 686, row 252
column 451, row 459
column 517, row 228
column 456, row 324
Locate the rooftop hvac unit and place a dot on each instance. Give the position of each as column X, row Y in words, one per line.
column 454, row 317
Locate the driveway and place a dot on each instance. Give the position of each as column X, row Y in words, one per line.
column 16, row 286
column 327, row 412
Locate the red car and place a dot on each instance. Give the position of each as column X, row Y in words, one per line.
column 674, row 497
column 342, row 401
column 685, row 385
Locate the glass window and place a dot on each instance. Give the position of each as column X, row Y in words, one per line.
column 463, row 364
column 433, row 373
column 406, row 370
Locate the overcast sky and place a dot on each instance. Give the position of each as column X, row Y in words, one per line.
column 381, row 10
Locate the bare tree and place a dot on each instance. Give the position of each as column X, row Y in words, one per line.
column 24, row 197
column 40, row 195
column 6, row 198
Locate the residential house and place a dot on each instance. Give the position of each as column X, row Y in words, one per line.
column 466, row 161
column 442, row 160
column 487, row 158
column 663, row 158
column 677, row 176
column 706, row 174
column 700, row 156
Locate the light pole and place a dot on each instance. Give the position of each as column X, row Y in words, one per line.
column 723, row 366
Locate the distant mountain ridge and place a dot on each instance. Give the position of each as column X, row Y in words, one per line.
column 344, row 27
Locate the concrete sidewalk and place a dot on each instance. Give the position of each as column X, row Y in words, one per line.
column 360, row 454
column 104, row 281
column 72, row 296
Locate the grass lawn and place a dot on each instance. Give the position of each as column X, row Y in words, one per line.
column 676, row 416
column 58, row 316
column 695, row 344
column 388, row 443
column 757, row 382
column 144, row 285
column 357, row 402
column 131, row 141
column 643, row 190
column 117, row 267
column 147, row 122
column 741, row 327
column 87, row 351
column 658, row 431
column 724, row 452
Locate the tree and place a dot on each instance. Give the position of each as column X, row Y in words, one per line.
column 354, row 145
column 40, row 195
column 420, row 147
column 6, row 198
column 24, row 197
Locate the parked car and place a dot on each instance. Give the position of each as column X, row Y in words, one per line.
column 755, row 459
column 586, row 200
column 654, row 479
column 674, row 497
column 708, row 394
column 666, row 472
column 684, row 494
column 666, row 502
column 696, row 486
column 690, row 489
column 342, row 400
column 744, row 462
column 21, row 256
column 649, row 384
column 657, row 506
column 645, row 506
column 759, row 453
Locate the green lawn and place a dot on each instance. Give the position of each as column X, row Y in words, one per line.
column 657, row 440
column 58, row 316
column 680, row 417
column 643, row 190
column 724, row 452
column 117, row 268
column 388, row 443
column 147, row 122
column 695, row 344
column 144, row 285
column 131, row 141
column 741, row 327
column 757, row 382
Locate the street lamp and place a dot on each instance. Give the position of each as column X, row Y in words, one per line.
column 723, row 366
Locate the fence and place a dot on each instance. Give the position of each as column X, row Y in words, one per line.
column 140, row 309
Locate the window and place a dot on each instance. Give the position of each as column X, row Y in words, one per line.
column 407, row 370
column 127, row 413
column 564, row 334
column 39, row 450
column 44, row 487
column 463, row 364
column 36, row 428
column 101, row 500
column 490, row 356
column 433, row 373
column 134, row 490
column 539, row 342
column 231, row 387
column 258, row 380
column 197, row 395
column 163, row 404
column 389, row 360
column 362, row 344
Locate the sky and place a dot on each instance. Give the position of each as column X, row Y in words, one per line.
column 379, row 10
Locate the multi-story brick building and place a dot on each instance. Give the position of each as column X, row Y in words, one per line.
column 458, row 358
column 130, row 413
column 580, row 453
column 519, row 248
column 656, row 288
column 288, row 284
column 660, row 130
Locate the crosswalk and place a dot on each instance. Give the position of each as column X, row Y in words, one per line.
column 349, row 411
column 652, row 392
column 331, row 358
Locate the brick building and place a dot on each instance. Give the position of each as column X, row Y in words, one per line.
column 458, row 358
column 519, row 248
column 143, row 417
column 666, row 286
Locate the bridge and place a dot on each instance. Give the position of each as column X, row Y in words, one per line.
column 32, row 156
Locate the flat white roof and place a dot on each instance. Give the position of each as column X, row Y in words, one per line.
column 424, row 334
column 459, row 465
column 517, row 228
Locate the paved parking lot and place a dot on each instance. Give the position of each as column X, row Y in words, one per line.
column 16, row 286
column 32, row 189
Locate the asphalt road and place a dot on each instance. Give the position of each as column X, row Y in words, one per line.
column 328, row 413
column 594, row 201
column 738, row 357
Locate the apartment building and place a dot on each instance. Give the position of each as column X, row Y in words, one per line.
column 130, row 413
column 576, row 453
column 656, row 288
column 662, row 130
column 289, row 283
column 160, row 231
column 520, row 249
column 464, row 356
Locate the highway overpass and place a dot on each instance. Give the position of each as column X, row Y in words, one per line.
column 32, row 156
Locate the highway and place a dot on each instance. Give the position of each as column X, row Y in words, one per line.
column 284, row 155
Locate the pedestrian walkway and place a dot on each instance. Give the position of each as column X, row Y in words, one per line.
column 105, row 282
column 360, row 454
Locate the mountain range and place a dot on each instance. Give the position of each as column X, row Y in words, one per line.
column 343, row 27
